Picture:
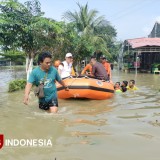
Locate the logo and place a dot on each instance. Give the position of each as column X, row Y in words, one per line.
column 1, row 140
column 28, row 143
column 24, row 142
column 100, row 83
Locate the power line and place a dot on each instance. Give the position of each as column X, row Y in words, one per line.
column 127, row 8
column 131, row 11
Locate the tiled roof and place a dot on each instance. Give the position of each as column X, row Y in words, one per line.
column 142, row 42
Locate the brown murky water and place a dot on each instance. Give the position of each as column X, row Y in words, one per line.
column 126, row 127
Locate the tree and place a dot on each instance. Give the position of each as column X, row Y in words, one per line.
column 14, row 56
column 23, row 27
column 95, row 31
column 86, row 21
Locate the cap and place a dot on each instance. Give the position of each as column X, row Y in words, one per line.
column 68, row 55
column 102, row 57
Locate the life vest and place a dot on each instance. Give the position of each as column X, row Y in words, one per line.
column 65, row 69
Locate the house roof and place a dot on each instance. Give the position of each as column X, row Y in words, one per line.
column 142, row 42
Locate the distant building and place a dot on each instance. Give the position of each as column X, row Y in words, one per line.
column 4, row 62
column 141, row 53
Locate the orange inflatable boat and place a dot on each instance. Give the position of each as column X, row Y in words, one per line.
column 84, row 87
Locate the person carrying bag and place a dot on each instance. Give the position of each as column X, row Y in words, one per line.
column 39, row 90
column 44, row 76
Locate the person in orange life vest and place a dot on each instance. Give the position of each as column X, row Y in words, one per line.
column 88, row 68
column 106, row 65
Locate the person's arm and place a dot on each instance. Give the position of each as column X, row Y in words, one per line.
column 109, row 70
column 85, row 69
column 60, row 68
column 27, row 91
column 106, row 67
column 64, row 85
column 73, row 73
column 60, row 81
column 93, row 71
column 28, row 87
column 90, row 69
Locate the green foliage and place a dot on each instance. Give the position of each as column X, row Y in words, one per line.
column 14, row 56
column 95, row 32
column 114, row 50
column 23, row 27
column 85, row 20
column 16, row 85
column 156, row 65
column 12, row 17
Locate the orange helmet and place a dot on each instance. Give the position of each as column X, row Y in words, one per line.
column 57, row 63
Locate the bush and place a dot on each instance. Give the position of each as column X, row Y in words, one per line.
column 156, row 65
column 17, row 84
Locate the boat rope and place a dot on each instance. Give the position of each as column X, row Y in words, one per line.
column 75, row 78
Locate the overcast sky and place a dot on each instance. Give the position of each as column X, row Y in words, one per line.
column 131, row 18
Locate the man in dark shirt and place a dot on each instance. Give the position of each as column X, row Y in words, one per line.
column 98, row 70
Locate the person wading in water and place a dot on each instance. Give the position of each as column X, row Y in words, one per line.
column 47, row 74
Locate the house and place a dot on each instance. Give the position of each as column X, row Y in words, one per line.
column 142, row 53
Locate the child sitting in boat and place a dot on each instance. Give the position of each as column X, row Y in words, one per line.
column 132, row 86
column 117, row 87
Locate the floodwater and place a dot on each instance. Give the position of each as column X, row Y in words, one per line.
column 126, row 127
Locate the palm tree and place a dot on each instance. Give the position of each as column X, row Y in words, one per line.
column 95, row 30
column 85, row 20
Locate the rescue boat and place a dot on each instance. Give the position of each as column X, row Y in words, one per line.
column 85, row 88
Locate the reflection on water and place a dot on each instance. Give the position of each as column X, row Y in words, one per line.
column 131, row 117
column 144, row 135
column 124, row 127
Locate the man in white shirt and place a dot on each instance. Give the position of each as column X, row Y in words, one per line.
column 65, row 68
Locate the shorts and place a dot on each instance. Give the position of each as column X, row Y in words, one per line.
column 47, row 105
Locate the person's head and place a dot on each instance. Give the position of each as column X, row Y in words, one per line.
column 69, row 58
column 131, row 83
column 44, row 60
column 117, row 85
column 103, row 59
column 57, row 63
column 124, row 84
column 93, row 60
